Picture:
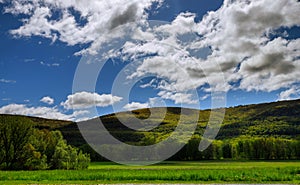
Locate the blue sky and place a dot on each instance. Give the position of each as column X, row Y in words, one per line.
column 250, row 51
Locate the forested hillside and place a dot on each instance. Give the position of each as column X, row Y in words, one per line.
column 262, row 131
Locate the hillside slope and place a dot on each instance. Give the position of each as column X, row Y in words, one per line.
column 278, row 121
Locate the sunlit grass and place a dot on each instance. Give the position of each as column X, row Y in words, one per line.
column 168, row 172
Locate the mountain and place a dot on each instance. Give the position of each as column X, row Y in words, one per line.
column 279, row 120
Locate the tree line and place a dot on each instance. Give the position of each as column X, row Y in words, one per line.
column 243, row 148
column 24, row 147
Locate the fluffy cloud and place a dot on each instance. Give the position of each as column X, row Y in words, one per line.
column 152, row 102
column 48, row 100
column 243, row 51
column 230, row 48
column 178, row 98
column 238, row 34
column 79, row 102
column 136, row 105
column 100, row 17
column 289, row 94
column 84, row 100
column 275, row 67
column 44, row 112
column 246, row 22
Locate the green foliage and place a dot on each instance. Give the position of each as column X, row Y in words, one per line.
column 33, row 159
column 24, row 147
column 263, row 131
column 253, row 148
column 15, row 133
column 68, row 157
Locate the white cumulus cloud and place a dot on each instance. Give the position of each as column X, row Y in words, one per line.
column 237, row 39
column 84, row 100
column 239, row 35
column 241, row 51
column 43, row 112
column 289, row 94
column 48, row 100
column 100, row 17
column 136, row 105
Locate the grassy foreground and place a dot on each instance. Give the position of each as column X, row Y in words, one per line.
column 169, row 172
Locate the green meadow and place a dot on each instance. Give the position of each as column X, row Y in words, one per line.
column 256, row 144
column 287, row 172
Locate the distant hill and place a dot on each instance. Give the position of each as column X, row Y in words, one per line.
column 276, row 120
column 43, row 123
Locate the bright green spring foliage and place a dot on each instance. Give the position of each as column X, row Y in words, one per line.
column 68, row 157
column 22, row 147
column 258, row 132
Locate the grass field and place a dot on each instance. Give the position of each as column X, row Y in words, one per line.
column 169, row 172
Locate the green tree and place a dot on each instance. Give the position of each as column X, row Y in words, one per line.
column 33, row 159
column 15, row 133
column 24, row 147
column 192, row 151
column 67, row 157
column 226, row 147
